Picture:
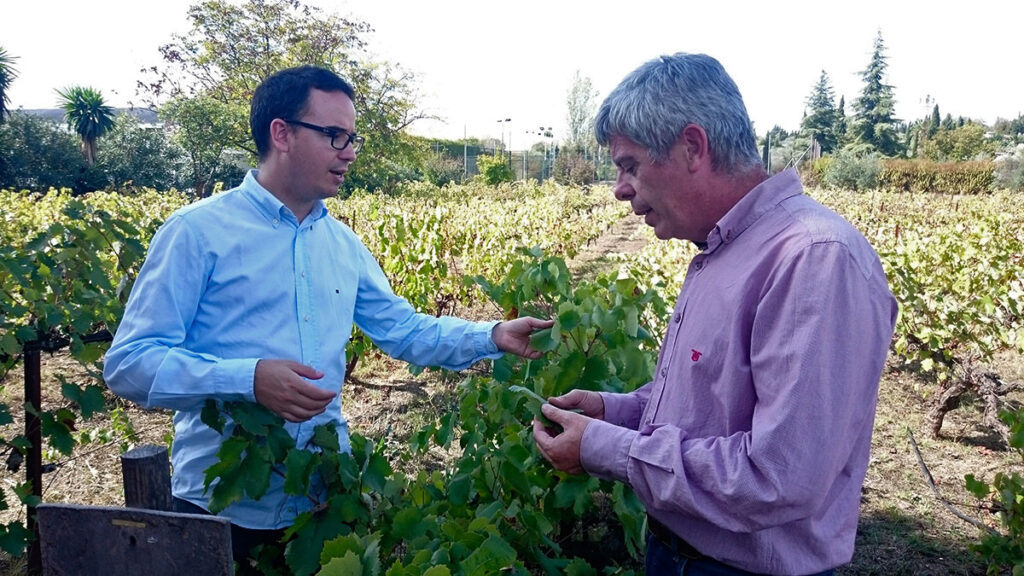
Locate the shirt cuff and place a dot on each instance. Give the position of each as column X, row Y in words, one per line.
column 621, row 410
column 604, row 450
column 236, row 378
column 486, row 346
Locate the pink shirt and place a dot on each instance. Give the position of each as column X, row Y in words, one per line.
column 752, row 441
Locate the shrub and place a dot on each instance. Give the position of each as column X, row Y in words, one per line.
column 1009, row 169
column 939, row 177
column 494, row 169
column 440, row 169
column 854, row 167
column 814, row 174
column 573, row 169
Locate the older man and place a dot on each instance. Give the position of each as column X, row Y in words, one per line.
column 750, row 446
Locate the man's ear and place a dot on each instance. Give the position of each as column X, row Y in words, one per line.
column 695, row 145
column 280, row 135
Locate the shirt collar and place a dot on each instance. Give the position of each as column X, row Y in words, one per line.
column 759, row 201
column 270, row 207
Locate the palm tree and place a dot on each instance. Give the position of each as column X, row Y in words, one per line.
column 87, row 115
column 7, row 75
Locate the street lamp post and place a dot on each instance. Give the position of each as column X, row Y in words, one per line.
column 502, row 124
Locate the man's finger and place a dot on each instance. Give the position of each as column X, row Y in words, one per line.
column 306, row 371
column 313, row 392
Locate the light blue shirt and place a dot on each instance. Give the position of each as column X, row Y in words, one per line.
column 235, row 278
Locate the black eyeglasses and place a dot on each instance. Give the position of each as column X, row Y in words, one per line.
column 350, row 138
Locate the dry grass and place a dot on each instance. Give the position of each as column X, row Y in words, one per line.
column 904, row 529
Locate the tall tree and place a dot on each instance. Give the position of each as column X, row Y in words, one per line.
column 874, row 122
column 7, row 75
column 581, row 105
column 86, row 114
column 135, row 156
column 202, row 127
column 840, row 128
column 934, row 121
column 232, row 47
column 820, row 121
column 39, row 154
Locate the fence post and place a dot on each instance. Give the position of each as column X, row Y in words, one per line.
column 33, row 431
column 146, row 472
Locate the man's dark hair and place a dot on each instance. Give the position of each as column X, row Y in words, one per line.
column 284, row 94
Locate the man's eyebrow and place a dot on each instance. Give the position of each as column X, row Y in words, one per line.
column 624, row 159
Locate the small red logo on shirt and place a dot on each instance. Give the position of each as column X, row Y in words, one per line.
column 696, row 355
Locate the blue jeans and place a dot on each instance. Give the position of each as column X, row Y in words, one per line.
column 662, row 561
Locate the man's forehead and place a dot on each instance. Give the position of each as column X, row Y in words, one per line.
column 330, row 106
column 622, row 147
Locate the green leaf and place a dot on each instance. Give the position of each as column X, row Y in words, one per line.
column 502, row 368
column 90, row 399
column 530, row 393
column 438, row 571
column 299, row 467
column 569, row 374
column 408, row 524
column 14, row 538
column 574, row 492
column 347, row 565
column 9, row 344
column 58, row 433
column 568, row 316
column 212, row 416
column 303, row 552
column 547, row 339
column 489, row 558
column 254, row 418
column 978, row 488
column 579, row 567
column 377, row 472
column 255, row 470
column 326, row 437
column 632, row 321
column 25, row 495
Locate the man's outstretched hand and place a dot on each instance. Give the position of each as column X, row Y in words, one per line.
column 514, row 335
column 280, row 385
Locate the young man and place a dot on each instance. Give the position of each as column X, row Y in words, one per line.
column 750, row 446
column 251, row 295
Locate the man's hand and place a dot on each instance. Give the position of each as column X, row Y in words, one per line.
column 588, row 402
column 280, row 386
column 563, row 449
column 514, row 335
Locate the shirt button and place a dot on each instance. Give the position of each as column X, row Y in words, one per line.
column 303, row 274
column 276, row 221
column 677, row 318
column 664, row 372
column 306, row 318
column 697, row 266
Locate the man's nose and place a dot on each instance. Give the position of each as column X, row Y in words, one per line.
column 347, row 154
column 623, row 191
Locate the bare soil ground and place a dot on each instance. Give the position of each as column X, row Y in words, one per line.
column 904, row 528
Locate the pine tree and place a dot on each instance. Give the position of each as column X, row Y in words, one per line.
column 874, row 122
column 936, row 119
column 820, row 122
column 840, row 128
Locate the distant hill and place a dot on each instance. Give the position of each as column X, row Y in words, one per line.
column 144, row 115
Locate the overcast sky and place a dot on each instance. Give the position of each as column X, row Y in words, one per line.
column 479, row 62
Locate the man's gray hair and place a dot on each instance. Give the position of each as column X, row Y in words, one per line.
column 656, row 101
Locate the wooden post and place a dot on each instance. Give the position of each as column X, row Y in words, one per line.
column 146, row 471
column 33, row 431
